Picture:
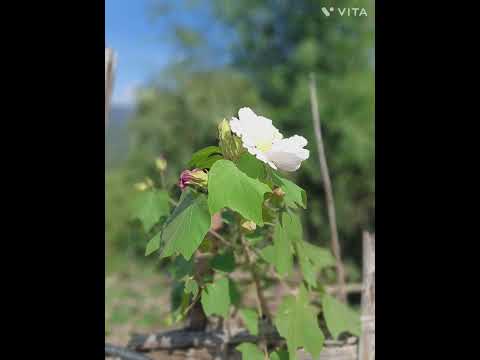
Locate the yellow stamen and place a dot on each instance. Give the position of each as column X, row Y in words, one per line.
column 264, row 146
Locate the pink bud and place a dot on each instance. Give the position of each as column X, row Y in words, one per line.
column 193, row 177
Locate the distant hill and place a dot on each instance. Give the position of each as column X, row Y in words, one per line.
column 116, row 135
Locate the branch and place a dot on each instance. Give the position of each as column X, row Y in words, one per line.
column 328, row 190
column 184, row 339
column 122, row 353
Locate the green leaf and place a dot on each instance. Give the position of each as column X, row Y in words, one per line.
column 235, row 296
column 339, row 317
column 153, row 244
column 250, row 352
column 251, row 166
column 180, row 268
column 292, row 226
column 250, row 318
column 287, row 231
column 187, row 226
column 230, row 187
column 295, row 196
column 224, row 262
column 320, row 256
column 312, row 259
column 254, row 238
column 296, row 321
column 205, row 158
column 282, row 251
column 216, row 298
column 180, row 312
column 150, row 206
column 279, row 355
column 309, row 271
column 268, row 254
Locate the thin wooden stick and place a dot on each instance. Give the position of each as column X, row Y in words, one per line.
column 367, row 341
column 328, row 190
column 109, row 77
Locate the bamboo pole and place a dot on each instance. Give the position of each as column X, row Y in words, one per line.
column 327, row 184
column 110, row 62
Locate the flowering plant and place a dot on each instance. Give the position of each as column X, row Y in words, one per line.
column 236, row 213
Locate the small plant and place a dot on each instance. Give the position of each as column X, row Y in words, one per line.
column 239, row 182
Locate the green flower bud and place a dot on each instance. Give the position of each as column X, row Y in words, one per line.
column 230, row 144
column 161, row 163
column 248, row 226
column 144, row 185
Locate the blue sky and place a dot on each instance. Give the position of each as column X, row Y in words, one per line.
column 144, row 46
column 129, row 31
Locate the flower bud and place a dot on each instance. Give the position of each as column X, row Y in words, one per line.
column 161, row 163
column 278, row 192
column 144, row 185
column 196, row 177
column 230, row 144
column 141, row 186
column 248, row 226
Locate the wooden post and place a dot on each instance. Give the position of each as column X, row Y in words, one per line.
column 110, row 61
column 367, row 340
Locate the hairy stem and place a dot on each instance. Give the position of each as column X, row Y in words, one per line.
column 262, row 303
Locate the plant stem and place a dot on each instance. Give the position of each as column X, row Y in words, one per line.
column 262, row 303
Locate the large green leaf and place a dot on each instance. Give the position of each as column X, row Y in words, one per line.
column 295, row 196
column 339, row 317
column 229, row 187
column 251, row 166
column 206, row 157
column 250, row 318
column 216, row 298
column 187, row 226
column 153, row 244
column 287, row 231
column 150, row 206
column 296, row 321
column 250, row 352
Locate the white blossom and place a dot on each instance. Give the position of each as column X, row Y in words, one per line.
column 263, row 140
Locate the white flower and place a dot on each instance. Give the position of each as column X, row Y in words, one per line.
column 264, row 141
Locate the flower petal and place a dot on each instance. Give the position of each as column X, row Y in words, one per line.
column 254, row 129
column 288, row 154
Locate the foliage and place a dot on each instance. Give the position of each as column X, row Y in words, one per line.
column 243, row 191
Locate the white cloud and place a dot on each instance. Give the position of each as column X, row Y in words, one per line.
column 125, row 95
